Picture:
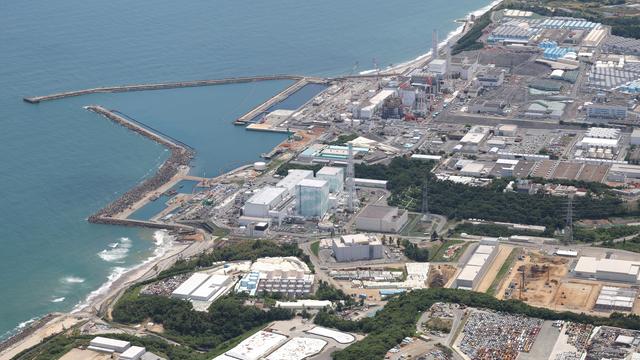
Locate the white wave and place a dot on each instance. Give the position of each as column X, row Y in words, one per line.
column 163, row 242
column 73, row 280
column 116, row 251
column 441, row 44
column 24, row 324
column 57, row 300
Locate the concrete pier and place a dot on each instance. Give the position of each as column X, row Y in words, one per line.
column 167, row 85
column 281, row 96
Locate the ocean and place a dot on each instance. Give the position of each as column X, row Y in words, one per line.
column 60, row 163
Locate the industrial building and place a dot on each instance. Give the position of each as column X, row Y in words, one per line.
column 133, row 353
column 190, row 285
column 293, row 178
column 106, row 345
column 256, row 346
column 202, row 287
column 298, row 348
column 374, row 104
column 491, row 77
column 616, row 299
column 606, row 111
column 288, row 276
column 334, row 176
column 305, row 304
column 378, row 218
column 357, row 247
column 264, row 201
column 312, row 198
column 623, row 172
column 476, row 266
column 211, row 289
column 608, row 269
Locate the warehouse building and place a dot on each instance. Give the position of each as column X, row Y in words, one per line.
column 476, row 267
column 190, row 285
column 312, row 198
column 623, row 172
column 264, row 201
column 606, row 111
column 608, row 269
column 202, row 287
column 211, row 289
column 334, row 176
column 378, row 218
column 357, row 247
column 106, row 345
column 615, row 299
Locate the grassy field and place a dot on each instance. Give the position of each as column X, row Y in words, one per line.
column 438, row 256
column 416, row 227
column 503, row 272
column 315, row 247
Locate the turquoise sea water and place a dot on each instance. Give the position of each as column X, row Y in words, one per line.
column 60, row 163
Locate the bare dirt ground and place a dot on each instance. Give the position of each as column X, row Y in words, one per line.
column 543, row 276
column 576, row 296
column 447, row 271
column 77, row 354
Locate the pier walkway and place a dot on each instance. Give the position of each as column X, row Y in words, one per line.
column 169, row 85
column 281, row 96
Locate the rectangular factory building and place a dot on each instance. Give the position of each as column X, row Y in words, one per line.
column 334, row 176
column 312, row 198
column 357, row 247
column 615, row 299
column 378, row 218
column 476, row 266
column 103, row 344
column 211, row 288
column 608, row 269
column 133, row 353
column 263, row 201
column 190, row 285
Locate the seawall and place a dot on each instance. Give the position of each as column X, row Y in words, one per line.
column 180, row 157
column 167, row 85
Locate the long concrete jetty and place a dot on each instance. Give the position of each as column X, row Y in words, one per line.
column 168, row 85
column 180, row 157
column 281, row 96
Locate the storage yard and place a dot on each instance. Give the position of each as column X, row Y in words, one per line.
column 498, row 336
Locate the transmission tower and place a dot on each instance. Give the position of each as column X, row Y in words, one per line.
column 568, row 232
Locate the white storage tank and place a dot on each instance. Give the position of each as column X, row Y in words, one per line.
column 260, row 165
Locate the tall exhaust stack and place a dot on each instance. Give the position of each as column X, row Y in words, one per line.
column 350, row 181
column 434, row 45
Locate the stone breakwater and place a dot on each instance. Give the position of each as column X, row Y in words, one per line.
column 180, row 157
